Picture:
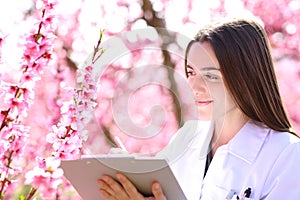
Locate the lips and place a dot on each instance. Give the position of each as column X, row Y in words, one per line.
column 203, row 102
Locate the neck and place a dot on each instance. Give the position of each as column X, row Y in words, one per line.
column 226, row 127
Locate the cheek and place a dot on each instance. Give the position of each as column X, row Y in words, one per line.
column 218, row 93
column 222, row 100
column 190, row 81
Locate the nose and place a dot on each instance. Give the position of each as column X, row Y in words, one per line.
column 198, row 86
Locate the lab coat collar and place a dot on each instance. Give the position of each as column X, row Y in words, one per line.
column 247, row 143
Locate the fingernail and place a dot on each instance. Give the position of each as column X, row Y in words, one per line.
column 120, row 177
column 106, row 179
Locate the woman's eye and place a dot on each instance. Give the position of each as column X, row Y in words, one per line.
column 190, row 73
column 211, row 77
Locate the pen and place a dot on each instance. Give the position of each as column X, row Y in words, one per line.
column 246, row 193
column 120, row 144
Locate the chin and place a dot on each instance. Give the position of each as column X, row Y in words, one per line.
column 204, row 117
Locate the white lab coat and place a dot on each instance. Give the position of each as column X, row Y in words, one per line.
column 258, row 157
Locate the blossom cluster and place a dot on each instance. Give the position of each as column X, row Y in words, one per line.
column 68, row 135
column 18, row 97
column 47, row 171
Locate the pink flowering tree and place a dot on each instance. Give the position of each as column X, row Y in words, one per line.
column 67, row 136
column 19, row 96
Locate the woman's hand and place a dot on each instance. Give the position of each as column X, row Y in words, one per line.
column 125, row 190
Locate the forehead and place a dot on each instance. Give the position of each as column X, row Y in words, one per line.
column 201, row 55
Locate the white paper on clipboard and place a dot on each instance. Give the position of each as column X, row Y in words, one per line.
column 141, row 171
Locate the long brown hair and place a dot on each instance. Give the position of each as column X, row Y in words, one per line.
column 243, row 51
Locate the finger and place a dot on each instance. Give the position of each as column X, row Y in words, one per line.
column 118, row 191
column 158, row 192
column 128, row 186
column 106, row 195
column 149, row 198
column 105, row 187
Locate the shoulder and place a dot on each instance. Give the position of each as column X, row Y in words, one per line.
column 289, row 142
column 284, row 172
column 283, row 140
column 256, row 141
column 281, row 145
column 284, row 147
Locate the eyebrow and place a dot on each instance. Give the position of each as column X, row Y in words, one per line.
column 204, row 68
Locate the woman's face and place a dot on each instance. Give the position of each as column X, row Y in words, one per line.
column 204, row 77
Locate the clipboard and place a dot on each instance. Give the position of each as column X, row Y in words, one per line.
column 141, row 171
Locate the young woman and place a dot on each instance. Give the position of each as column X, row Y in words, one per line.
column 251, row 150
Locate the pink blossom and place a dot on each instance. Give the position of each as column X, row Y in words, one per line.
column 65, row 142
column 17, row 103
column 15, row 136
column 48, row 4
column 13, row 139
column 29, row 78
column 47, row 176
